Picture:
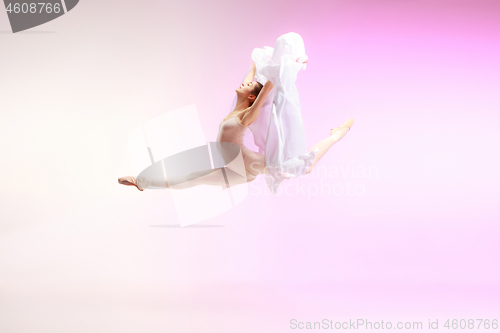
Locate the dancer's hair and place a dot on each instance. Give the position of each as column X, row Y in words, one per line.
column 256, row 90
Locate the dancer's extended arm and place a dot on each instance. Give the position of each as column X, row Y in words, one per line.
column 253, row 112
column 251, row 74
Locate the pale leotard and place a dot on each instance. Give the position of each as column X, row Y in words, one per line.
column 230, row 130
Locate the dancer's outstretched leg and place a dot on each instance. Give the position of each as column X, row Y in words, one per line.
column 209, row 177
column 336, row 134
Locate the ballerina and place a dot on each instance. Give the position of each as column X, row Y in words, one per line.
column 267, row 103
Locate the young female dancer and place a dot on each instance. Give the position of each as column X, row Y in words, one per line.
column 250, row 97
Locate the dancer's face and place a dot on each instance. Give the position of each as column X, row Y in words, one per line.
column 245, row 90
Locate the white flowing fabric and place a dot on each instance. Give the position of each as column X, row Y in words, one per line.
column 278, row 130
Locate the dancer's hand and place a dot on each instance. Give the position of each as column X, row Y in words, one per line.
column 305, row 62
column 251, row 74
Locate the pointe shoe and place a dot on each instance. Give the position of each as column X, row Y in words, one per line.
column 129, row 181
column 348, row 123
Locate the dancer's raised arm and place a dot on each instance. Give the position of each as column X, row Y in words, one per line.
column 249, row 116
column 251, row 75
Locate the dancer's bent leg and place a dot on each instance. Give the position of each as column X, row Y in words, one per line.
column 335, row 135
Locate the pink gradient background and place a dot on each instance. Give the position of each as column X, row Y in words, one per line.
column 80, row 253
